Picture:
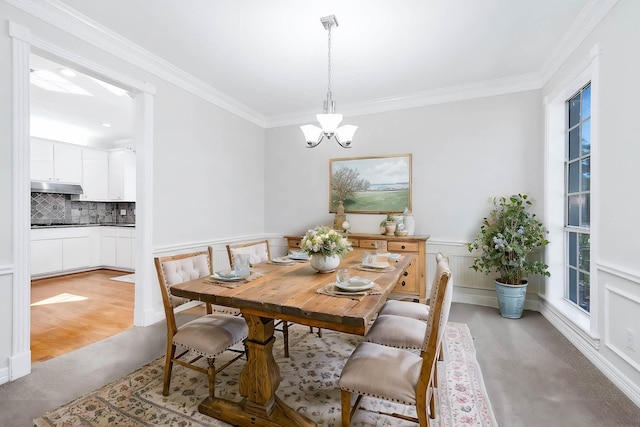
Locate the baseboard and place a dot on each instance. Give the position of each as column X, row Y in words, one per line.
column 4, row 375
column 487, row 298
column 80, row 270
column 589, row 348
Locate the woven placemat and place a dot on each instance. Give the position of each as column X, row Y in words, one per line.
column 377, row 270
column 252, row 276
column 332, row 290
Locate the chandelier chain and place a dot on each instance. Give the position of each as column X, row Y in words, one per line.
column 329, row 62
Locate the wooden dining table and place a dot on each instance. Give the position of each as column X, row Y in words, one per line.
column 287, row 292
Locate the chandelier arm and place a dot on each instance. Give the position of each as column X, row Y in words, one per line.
column 346, row 144
column 311, row 144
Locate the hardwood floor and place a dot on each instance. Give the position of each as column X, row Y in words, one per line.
column 69, row 312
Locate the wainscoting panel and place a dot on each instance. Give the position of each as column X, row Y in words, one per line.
column 460, row 261
column 622, row 328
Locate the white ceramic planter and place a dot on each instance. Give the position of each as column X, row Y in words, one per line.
column 324, row 264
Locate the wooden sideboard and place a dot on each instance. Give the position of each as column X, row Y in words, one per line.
column 414, row 281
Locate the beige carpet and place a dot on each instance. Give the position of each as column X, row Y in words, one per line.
column 309, row 385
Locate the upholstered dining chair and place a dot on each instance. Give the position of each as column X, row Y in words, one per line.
column 403, row 330
column 258, row 253
column 395, row 374
column 411, row 309
column 208, row 336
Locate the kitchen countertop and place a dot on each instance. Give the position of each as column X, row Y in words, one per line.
column 79, row 225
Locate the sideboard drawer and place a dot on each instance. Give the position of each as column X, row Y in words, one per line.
column 402, row 246
column 294, row 243
column 368, row 244
column 407, row 282
column 355, row 243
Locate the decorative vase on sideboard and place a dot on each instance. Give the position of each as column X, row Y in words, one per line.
column 511, row 299
column 324, row 264
column 409, row 223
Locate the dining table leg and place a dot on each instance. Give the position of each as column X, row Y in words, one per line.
column 259, row 380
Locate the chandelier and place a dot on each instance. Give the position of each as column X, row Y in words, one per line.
column 329, row 120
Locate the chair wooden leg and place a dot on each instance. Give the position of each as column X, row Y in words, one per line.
column 211, row 373
column 432, row 404
column 285, row 334
column 345, row 401
column 168, row 365
column 435, row 375
column 421, row 410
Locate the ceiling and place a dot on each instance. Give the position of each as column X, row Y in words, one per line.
column 271, row 56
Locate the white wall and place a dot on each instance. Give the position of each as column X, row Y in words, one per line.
column 208, row 171
column 617, row 257
column 464, row 153
column 208, row 165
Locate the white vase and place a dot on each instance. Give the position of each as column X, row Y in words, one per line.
column 324, row 264
column 409, row 224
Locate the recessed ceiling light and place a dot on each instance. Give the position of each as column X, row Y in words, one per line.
column 107, row 125
column 67, row 72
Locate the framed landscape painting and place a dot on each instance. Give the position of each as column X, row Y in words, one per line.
column 380, row 184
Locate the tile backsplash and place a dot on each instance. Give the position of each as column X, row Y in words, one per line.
column 48, row 208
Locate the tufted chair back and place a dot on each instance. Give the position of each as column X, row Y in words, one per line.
column 183, row 269
column 258, row 252
column 176, row 269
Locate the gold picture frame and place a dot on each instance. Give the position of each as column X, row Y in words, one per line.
column 370, row 185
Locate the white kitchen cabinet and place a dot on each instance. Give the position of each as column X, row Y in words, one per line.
column 46, row 256
column 118, row 247
column 41, row 160
column 124, row 251
column 54, row 161
column 76, row 253
column 95, row 174
column 55, row 250
column 108, row 246
column 122, row 175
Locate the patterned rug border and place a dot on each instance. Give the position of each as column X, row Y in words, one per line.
column 309, row 384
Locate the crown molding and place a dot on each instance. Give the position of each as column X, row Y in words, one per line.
column 475, row 90
column 67, row 19
column 63, row 17
column 590, row 16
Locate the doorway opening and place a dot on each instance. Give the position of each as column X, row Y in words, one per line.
column 81, row 133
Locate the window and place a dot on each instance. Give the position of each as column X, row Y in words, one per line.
column 577, row 194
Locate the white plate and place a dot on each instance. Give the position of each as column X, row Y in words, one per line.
column 379, row 265
column 298, row 257
column 282, row 260
column 226, row 277
column 356, row 284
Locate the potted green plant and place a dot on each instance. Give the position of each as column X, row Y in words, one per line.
column 389, row 225
column 506, row 239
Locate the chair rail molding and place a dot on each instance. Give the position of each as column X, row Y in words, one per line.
column 6, row 270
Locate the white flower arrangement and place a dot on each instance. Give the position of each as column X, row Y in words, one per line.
column 325, row 241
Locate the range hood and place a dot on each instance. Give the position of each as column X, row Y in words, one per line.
column 55, row 187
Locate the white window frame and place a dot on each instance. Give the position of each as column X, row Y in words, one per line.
column 555, row 140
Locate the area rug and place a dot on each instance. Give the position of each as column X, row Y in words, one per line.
column 131, row 278
column 309, row 385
